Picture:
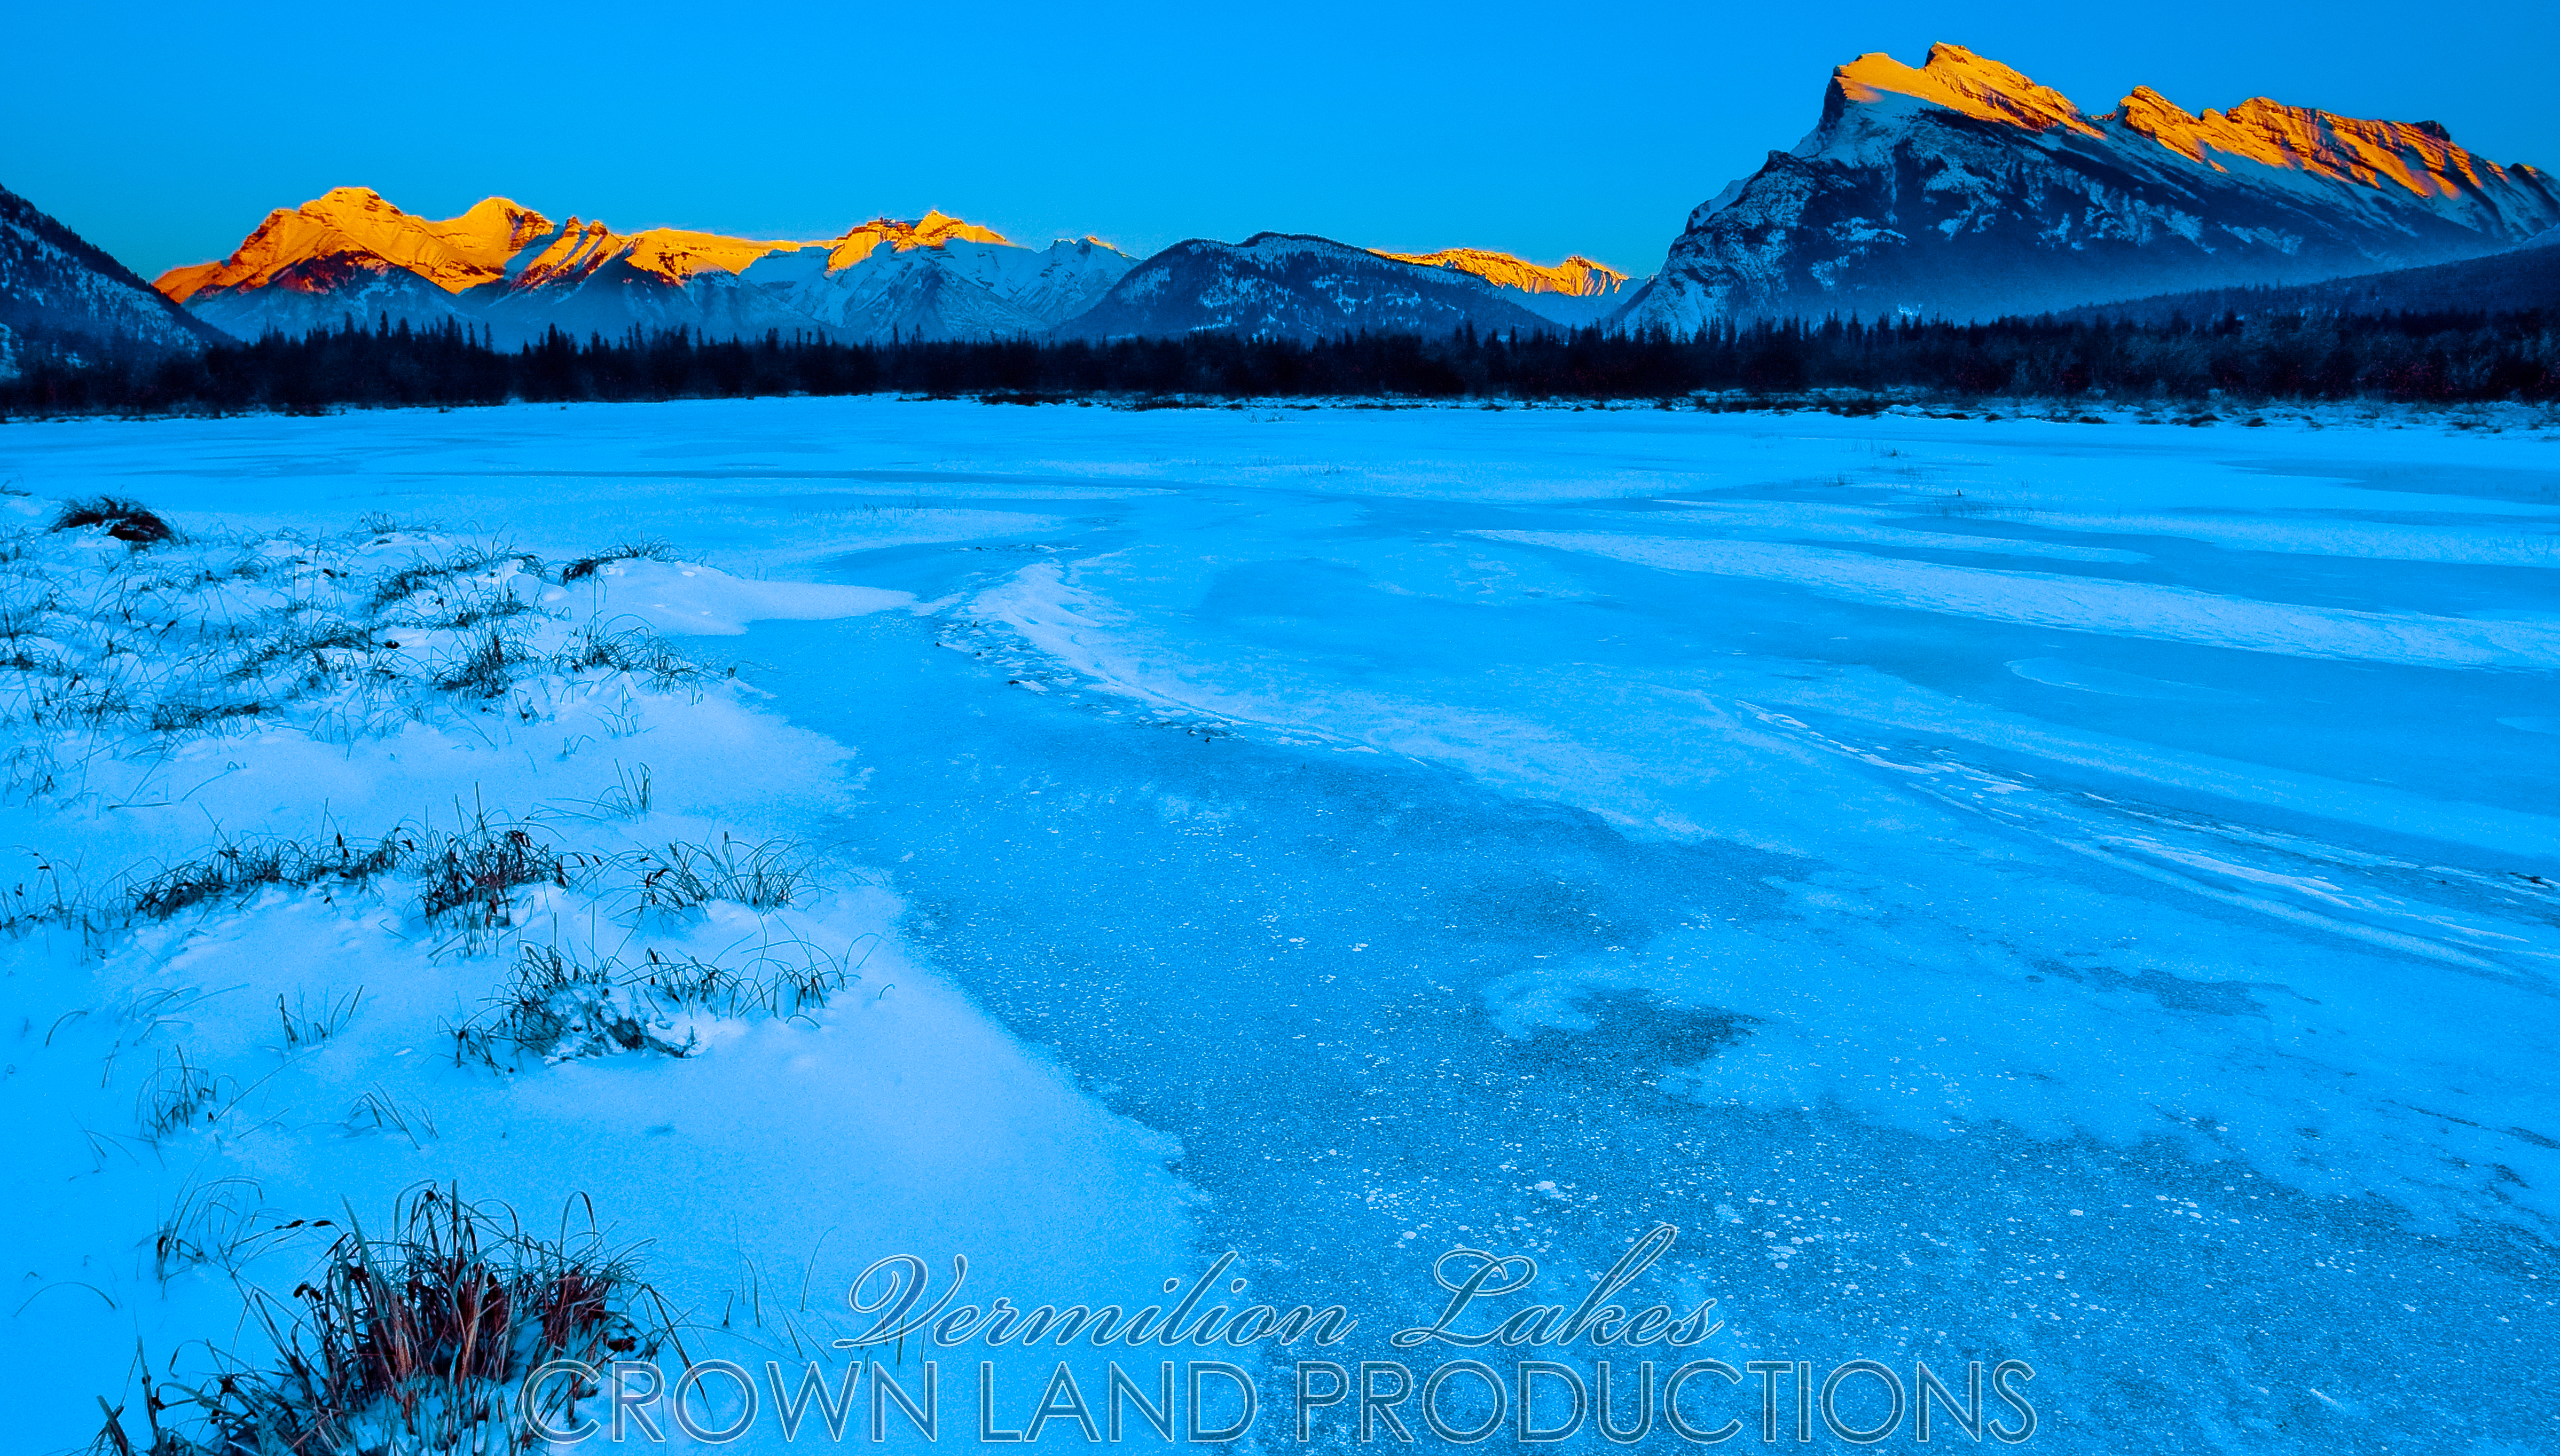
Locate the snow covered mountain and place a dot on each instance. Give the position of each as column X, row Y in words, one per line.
column 1963, row 188
column 511, row 271
column 61, row 295
column 1278, row 285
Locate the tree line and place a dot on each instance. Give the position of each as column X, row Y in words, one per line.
column 2405, row 357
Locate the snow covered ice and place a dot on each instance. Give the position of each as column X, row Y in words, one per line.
column 2005, row 889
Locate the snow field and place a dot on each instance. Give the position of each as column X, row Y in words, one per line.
column 353, row 862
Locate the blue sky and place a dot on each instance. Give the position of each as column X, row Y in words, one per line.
column 164, row 132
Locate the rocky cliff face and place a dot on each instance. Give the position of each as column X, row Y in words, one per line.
column 1962, row 188
column 1576, row 291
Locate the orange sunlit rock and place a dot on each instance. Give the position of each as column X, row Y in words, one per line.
column 1959, row 80
column 1577, row 277
column 454, row 254
column 934, row 229
column 2417, row 155
column 354, row 227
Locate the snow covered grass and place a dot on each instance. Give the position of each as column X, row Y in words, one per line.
column 127, row 644
column 293, row 808
column 106, row 638
column 564, row 1002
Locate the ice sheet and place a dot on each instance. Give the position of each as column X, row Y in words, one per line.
column 2001, row 887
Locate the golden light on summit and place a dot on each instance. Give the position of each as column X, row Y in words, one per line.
column 932, row 230
column 1959, row 80
column 2414, row 155
column 1575, row 277
column 2417, row 155
column 453, row 254
column 356, row 227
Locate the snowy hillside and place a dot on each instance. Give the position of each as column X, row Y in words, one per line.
column 394, row 854
column 509, row 270
column 2527, row 278
column 61, row 296
column 1963, row 188
column 1282, row 286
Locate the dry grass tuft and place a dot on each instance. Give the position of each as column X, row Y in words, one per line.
column 412, row 1343
column 629, row 551
column 245, row 866
column 559, row 1006
column 474, row 876
column 488, row 668
column 684, row 877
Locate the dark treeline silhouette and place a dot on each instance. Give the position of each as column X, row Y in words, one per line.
column 2446, row 358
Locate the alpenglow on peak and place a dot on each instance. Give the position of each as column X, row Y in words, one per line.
column 1961, row 187
column 351, row 255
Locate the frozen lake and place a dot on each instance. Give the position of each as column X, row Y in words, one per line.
column 2006, row 890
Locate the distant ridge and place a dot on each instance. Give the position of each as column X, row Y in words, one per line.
column 1576, row 291
column 1281, row 285
column 62, row 296
column 507, row 268
column 351, row 255
column 2506, row 282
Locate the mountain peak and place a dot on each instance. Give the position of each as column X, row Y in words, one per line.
column 1961, row 187
column 506, row 268
column 934, row 229
column 497, row 239
column 1292, row 285
column 1871, row 93
column 454, row 254
column 1958, row 80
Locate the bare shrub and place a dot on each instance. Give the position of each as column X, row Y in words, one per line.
column 23, row 616
column 177, row 717
column 377, row 1111
column 289, row 633
column 631, row 795
column 305, row 1026
column 222, row 1222
column 597, row 648
column 782, row 980
column 299, row 639
column 130, row 521
column 557, row 1006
